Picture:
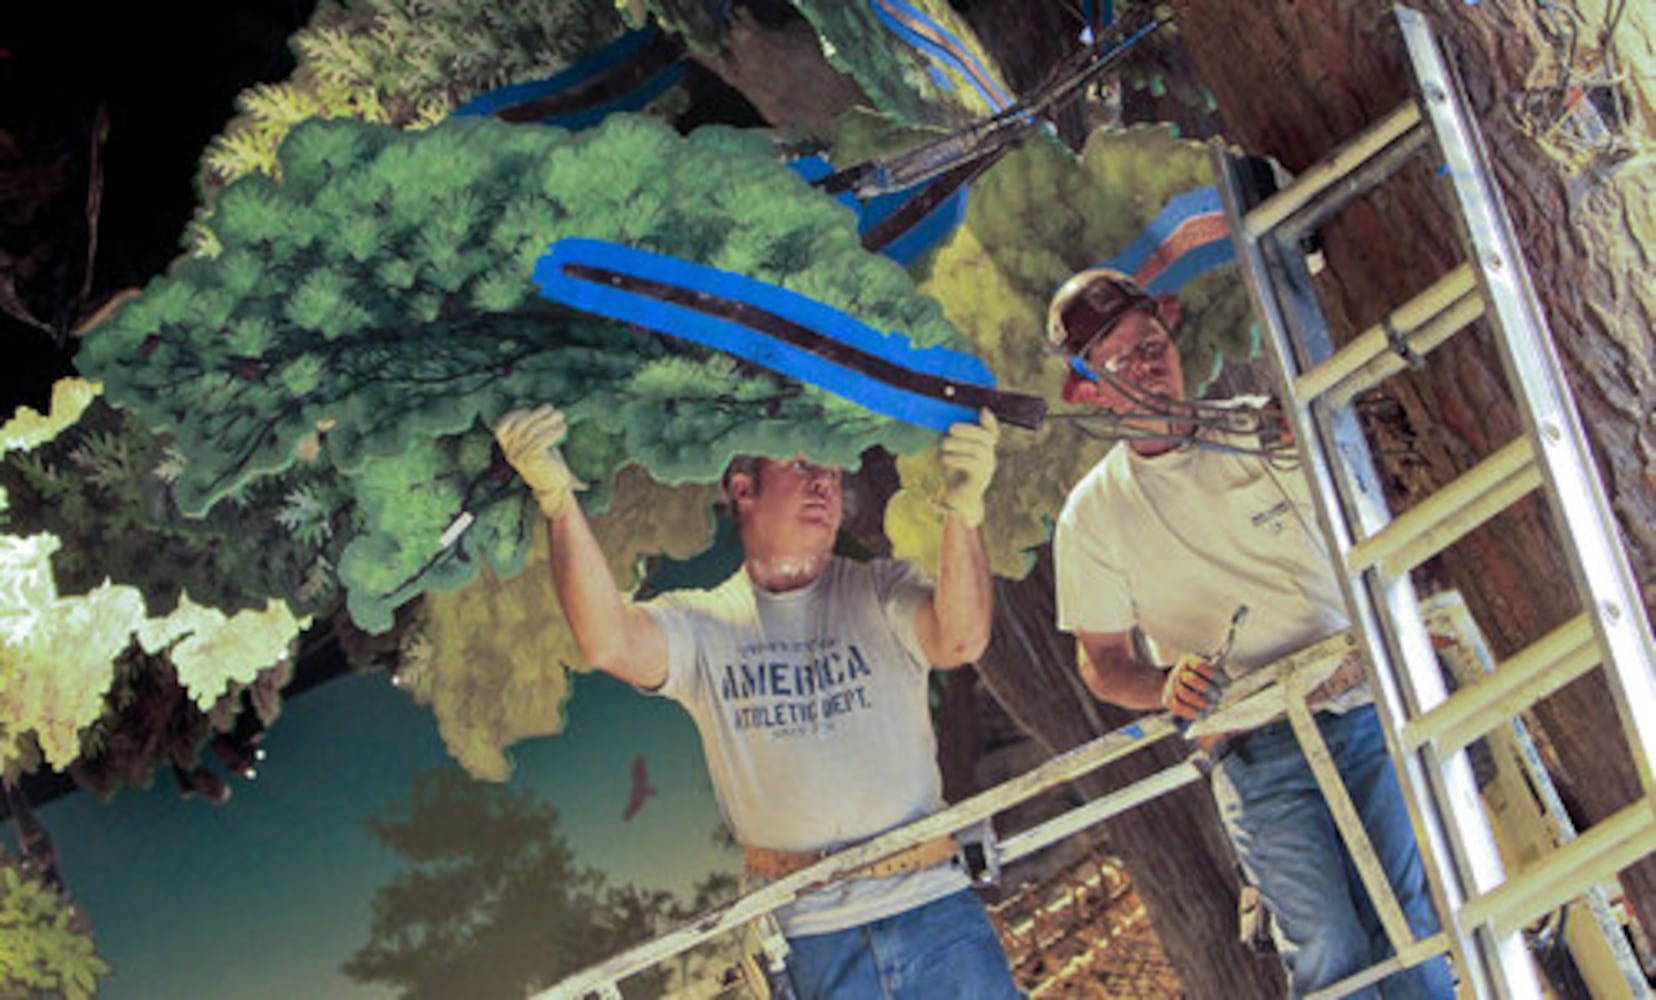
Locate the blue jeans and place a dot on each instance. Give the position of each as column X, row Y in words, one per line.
column 946, row 949
column 1326, row 927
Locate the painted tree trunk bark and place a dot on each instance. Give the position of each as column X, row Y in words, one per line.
column 1293, row 80
column 1173, row 847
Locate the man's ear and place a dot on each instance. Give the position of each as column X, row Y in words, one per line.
column 1079, row 390
column 742, row 486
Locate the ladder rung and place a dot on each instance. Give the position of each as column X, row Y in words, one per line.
column 1600, row 853
column 1273, row 211
column 1435, row 523
column 1428, row 338
column 1408, row 958
column 1537, row 671
column 1407, row 320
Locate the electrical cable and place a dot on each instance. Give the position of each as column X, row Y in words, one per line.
column 1008, row 127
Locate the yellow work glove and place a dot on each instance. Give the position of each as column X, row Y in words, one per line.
column 968, row 457
column 1193, row 688
column 530, row 440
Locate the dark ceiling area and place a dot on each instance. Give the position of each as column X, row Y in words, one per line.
column 104, row 111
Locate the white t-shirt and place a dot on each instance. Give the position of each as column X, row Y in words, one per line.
column 1174, row 542
column 812, row 708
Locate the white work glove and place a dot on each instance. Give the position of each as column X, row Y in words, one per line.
column 1193, row 688
column 530, row 440
column 968, row 456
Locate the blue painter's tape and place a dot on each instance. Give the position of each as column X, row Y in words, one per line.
column 815, row 168
column 927, row 232
column 604, row 59
column 932, row 229
column 1192, row 265
column 632, row 100
column 941, row 80
column 1201, row 201
column 755, row 346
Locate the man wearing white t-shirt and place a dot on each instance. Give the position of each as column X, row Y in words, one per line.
column 1178, row 526
column 806, row 675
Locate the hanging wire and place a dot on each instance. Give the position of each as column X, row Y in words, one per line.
column 1254, row 426
column 1009, row 127
column 1583, row 114
column 1232, row 426
column 1205, row 434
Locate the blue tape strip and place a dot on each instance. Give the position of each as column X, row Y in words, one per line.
column 495, row 101
column 745, row 342
column 815, row 168
column 900, row 19
column 632, row 100
column 925, row 234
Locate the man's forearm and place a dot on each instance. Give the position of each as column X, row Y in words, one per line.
column 964, row 601
column 597, row 614
column 1113, row 674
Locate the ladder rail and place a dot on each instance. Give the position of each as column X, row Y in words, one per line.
column 1596, row 557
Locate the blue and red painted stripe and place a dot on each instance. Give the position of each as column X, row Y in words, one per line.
column 933, row 40
column 1187, row 238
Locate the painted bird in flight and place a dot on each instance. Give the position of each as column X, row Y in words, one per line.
column 641, row 789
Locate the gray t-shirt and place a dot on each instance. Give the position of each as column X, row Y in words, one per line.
column 813, row 715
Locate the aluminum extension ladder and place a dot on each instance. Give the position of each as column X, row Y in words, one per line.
column 1484, row 909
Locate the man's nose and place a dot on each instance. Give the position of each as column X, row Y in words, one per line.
column 1151, row 364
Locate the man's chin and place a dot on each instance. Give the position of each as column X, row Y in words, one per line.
column 824, row 525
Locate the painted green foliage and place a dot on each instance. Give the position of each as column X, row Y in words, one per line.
column 80, row 502
column 106, row 480
column 380, row 295
column 42, row 951
column 695, row 21
column 405, row 63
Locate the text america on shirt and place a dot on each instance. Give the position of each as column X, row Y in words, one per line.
column 794, row 687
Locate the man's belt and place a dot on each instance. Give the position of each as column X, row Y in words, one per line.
column 768, row 863
column 1346, row 676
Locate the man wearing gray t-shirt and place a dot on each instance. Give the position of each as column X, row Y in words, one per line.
column 806, row 676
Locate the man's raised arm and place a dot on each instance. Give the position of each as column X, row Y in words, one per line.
column 954, row 624
column 615, row 636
